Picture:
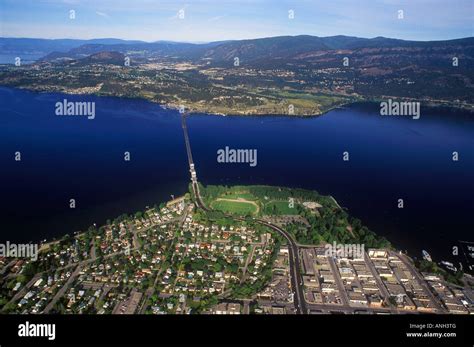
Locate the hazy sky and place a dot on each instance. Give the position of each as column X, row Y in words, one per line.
column 211, row 20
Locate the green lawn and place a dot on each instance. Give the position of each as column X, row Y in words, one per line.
column 237, row 195
column 235, row 207
column 279, row 208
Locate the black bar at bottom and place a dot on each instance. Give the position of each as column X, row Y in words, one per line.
column 262, row 329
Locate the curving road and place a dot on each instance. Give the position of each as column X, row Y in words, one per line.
column 295, row 278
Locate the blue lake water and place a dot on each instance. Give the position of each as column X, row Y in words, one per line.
column 25, row 58
column 390, row 158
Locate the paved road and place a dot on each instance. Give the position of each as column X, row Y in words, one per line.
column 247, row 261
column 21, row 293
column 6, row 267
column 375, row 274
column 352, row 309
column 186, row 139
column 327, row 308
column 420, row 280
column 337, row 278
column 246, row 306
column 93, row 250
column 295, row 278
column 61, row 291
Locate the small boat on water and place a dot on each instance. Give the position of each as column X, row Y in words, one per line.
column 426, row 255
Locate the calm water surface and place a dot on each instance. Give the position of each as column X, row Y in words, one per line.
column 390, row 158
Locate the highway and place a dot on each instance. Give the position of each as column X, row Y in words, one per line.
column 186, row 140
column 301, row 307
column 192, row 170
column 295, row 278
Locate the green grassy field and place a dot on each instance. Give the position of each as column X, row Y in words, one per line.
column 235, row 207
column 279, row 208
column 245, row 196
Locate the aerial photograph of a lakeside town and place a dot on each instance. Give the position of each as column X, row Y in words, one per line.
column 237, row 158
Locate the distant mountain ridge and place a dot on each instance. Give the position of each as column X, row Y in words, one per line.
column 249, row 50
column 106, row 57
column 46, row 46
column 258, row 76
column 290, row 47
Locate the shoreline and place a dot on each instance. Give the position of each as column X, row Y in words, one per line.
column 57, row 237
column 428, row 104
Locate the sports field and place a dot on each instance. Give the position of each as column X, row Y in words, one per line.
column 240, row 207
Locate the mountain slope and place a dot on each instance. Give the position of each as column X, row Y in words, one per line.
column 270, row 51
column 305, row 72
